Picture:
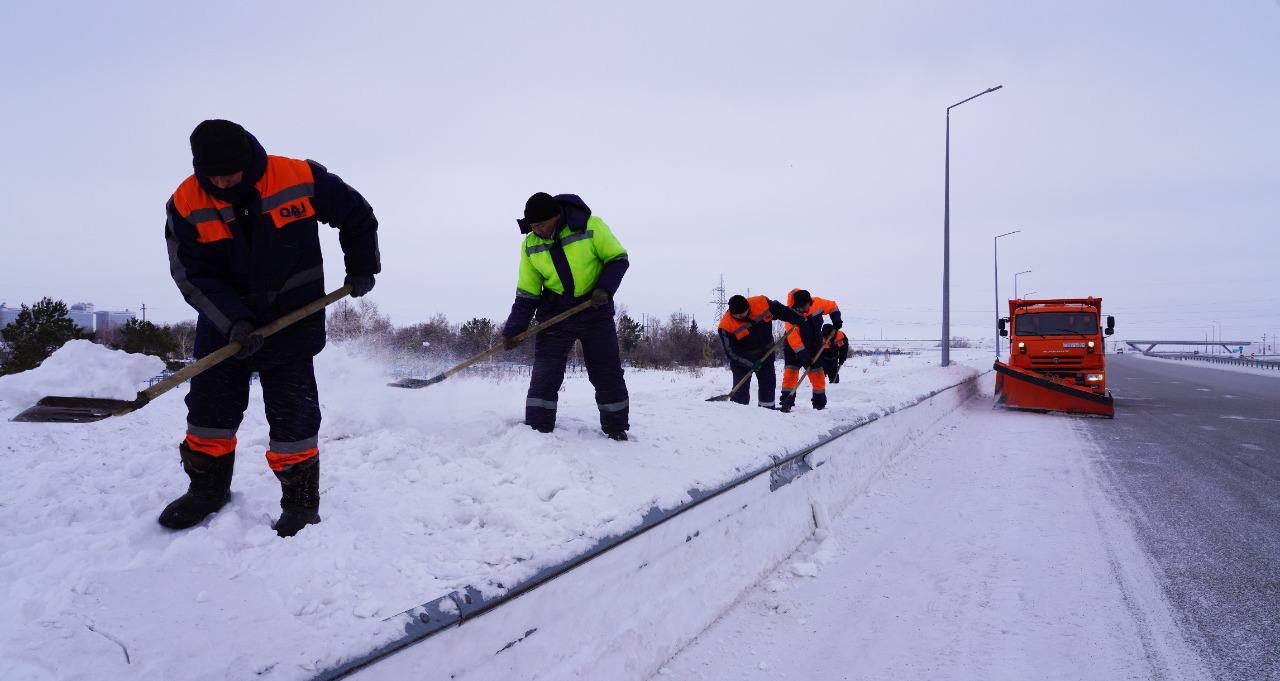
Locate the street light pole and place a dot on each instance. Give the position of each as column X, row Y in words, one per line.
column 946, row 235
column 1015, row 281
column 995, row 250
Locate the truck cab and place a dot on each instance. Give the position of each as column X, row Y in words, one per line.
column 1062, row 339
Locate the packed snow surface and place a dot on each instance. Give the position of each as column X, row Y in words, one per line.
column 81, row 368
column 422, row 492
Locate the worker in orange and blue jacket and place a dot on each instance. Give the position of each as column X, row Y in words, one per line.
column 244, row 250
column 746, row 334
column 836, row 353
column 803, row 343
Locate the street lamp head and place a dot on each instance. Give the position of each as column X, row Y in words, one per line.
column 993, row 89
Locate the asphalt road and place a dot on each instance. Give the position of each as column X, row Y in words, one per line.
column 1194, row 454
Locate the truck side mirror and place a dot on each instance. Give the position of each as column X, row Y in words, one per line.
column 1000, row 325
column 1111, row 325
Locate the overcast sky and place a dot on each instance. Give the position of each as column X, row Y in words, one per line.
column 1135, row 145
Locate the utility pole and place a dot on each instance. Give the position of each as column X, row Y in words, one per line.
column 720, row 301
column 995, row 247
column 144, row 312
column 946, row 235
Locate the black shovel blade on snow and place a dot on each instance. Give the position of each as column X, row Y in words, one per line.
column 416, row 383
column 74, row 410
column 719, row 398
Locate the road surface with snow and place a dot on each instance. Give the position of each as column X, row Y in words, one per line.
column 1194, row 451
column 982, row 554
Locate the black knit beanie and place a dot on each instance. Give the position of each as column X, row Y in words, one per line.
column 738, row 305
column 800, row 298
column 220, row 147
column 541, row 207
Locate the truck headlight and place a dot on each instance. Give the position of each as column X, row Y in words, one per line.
column 1093, row 377
column 1090, row 346
column 1022, row 347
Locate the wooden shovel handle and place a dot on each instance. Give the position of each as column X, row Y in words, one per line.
column 524, row 335
column 200, row 366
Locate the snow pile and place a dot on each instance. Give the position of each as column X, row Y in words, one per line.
column 81, row 369
column 423, row 492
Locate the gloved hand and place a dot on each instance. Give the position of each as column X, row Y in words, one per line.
column 836, row 325
column 757, row 365
column 360, row 284
column 600, row 298
column 510, row 343
column 250, row 342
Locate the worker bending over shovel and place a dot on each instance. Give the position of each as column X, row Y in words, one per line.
column 746, row 334
column 804, row 342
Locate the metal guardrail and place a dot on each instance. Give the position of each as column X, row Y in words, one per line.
column 1233, row 361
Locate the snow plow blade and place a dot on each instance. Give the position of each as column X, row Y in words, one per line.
column 1020, row 389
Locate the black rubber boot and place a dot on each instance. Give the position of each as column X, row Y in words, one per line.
column 210, row 487
column 787, row 402
column 819, row 401
column 619, row 435
column 299, row 497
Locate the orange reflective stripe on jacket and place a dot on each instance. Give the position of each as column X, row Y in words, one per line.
column 758, row 312
column 286, row 187
column 209, row 215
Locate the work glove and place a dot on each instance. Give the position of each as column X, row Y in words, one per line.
column 250, row 342
column 600, row 298
column 836, row 325
column 757, row 365
column 360, row 284
column 510, row 343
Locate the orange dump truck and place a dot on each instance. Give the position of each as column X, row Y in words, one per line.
column 1056, row 357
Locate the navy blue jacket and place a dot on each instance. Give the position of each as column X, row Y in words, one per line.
column 237, row 255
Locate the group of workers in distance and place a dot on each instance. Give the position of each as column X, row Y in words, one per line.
column 244, row 250
column 746, row 333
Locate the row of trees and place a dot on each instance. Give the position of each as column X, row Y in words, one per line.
column 676, row 342
column 42, row 328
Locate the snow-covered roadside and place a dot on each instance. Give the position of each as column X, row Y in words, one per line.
column 423, row 492
column 983, row 554
column 1273, row 373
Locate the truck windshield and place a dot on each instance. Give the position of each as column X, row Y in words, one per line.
column 1056, row 323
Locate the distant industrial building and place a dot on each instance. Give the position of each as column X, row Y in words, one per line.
column 82, row 316
column 107, row 319
column 8, row 314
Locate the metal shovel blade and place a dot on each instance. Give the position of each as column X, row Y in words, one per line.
column 74, row 410
column 719, row 398
column 416, row 383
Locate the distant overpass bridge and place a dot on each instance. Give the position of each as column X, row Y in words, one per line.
column 1151, row 344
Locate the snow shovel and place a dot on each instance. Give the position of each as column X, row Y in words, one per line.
column 415, row 383
column 737, row 386
column 90, row 409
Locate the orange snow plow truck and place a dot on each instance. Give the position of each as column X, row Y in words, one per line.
column 1056, row 357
